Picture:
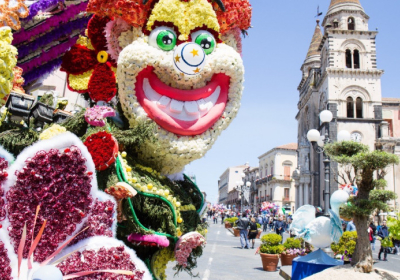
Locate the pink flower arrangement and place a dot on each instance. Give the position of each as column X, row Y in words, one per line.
column 185, row 246
column 96, row 115
column 151, row 240
column 295, row 251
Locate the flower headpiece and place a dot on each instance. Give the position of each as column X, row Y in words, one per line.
column 230, row 13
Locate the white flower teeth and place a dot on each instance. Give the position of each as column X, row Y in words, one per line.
column 163, row 102
column 181, row 110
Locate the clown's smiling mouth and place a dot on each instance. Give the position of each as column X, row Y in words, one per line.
column 183, row 112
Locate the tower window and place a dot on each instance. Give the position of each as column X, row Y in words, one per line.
column 349, row 63
column 359, row 109
column 335, row 23
column 351, row 24
column 350, row 107
column 356, row 59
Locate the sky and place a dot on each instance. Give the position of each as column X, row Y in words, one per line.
column 273, row 54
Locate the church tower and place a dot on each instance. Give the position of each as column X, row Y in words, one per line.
column 346, row 81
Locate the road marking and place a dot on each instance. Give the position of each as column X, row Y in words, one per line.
column 214, row 248
column 210, row 261
column 206, row 274
column 218, row 232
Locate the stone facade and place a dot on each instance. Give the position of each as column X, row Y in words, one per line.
column 251, row 175
column 342, row 76
column 276, row 183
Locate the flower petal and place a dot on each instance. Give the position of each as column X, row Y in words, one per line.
column 78, row 59
column 79, row 83
column 96, row 32
column 102, row 83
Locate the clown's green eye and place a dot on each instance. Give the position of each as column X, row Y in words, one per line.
column 166, row 40
column 206, row 40
column 163, row 38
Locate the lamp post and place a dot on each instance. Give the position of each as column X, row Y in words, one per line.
column 318, row 142
column 240, row 187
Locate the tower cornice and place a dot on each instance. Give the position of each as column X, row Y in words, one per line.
column 343, row 31
column 333, row 14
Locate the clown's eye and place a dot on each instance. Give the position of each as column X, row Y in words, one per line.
column 205, row 39
column 163, row 38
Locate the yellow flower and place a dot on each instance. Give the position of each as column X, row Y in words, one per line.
column 185, row 15
column 52, row 131
column 80, row 82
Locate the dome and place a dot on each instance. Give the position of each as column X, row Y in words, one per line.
column 337, row 5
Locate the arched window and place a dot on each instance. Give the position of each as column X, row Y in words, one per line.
column 356, row 59
column 351, row 24
column 359, row 108
column 350, row 107
column 349, row 63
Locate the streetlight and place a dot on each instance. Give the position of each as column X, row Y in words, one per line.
column 315, row 137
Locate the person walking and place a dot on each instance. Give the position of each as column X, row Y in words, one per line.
column 265, row 223
column 242, row 224
column 222, row 217
column 372, row 233
column 260, row 220
column 280, row 226
column 215, row 217
column 383, row 233
column 351, row 226
column 271, row 223
column 253, row 232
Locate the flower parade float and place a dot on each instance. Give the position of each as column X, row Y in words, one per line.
column 108, row 198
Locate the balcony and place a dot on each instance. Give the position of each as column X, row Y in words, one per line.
column 265, row 179
column 285, row 199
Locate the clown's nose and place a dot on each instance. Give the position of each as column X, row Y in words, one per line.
column 189, row 59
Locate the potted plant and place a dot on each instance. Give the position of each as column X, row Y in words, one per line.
column 292, row 250
column 269, row 250
column 230, row 222
column 259, row 231
column 345, row 248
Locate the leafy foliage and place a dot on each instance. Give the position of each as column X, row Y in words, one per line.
column 231, row 220
column 346, row 245
column 292, row 243
column 387, row 242
column 394, row 225
column 271, row 244
column 16, row 140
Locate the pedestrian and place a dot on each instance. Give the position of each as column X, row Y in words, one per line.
column 260, row 220
column 253, row 231
column 242, row 224
column 350, row 226
column 265, row 223
column 271, row 223
column 215, row 217
column 280, row 226
column 222, row 217
column 396, row 244
column 383, row 233
column 372, row 233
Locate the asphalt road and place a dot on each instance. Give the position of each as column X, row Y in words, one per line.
column 224, row 259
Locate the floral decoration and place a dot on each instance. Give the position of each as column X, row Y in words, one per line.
column 186, row 244
column 97, row 115
column 81, row 59
column 48, row 168
column 3, row 177
column 160, row 261
column 113, row 31
column 52, row 131
column 295, row 251
column 104, row 149
column 186, row 16
column 8, row 61
column 18, row 81
column 237, row 15
column 149, row 240
column 11, row 11
column 133, row 12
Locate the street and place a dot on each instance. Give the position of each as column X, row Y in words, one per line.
column 224, row 259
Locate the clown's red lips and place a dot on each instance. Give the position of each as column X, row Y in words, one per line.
column 183, row 112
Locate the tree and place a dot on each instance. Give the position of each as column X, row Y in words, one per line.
column 358, row 166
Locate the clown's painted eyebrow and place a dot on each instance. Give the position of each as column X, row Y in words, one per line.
column 219, row 2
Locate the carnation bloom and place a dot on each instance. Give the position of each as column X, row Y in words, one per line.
column 89, row 67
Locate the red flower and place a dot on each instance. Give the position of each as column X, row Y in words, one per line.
column 92, row 60
column 103, row 148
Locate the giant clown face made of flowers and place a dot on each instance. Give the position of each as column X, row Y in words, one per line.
column 176, row 62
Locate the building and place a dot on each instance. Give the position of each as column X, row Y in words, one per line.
column 251, row 175
column 227, row 183
column 339, row 74
column 275, row 183
column 390, row 142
